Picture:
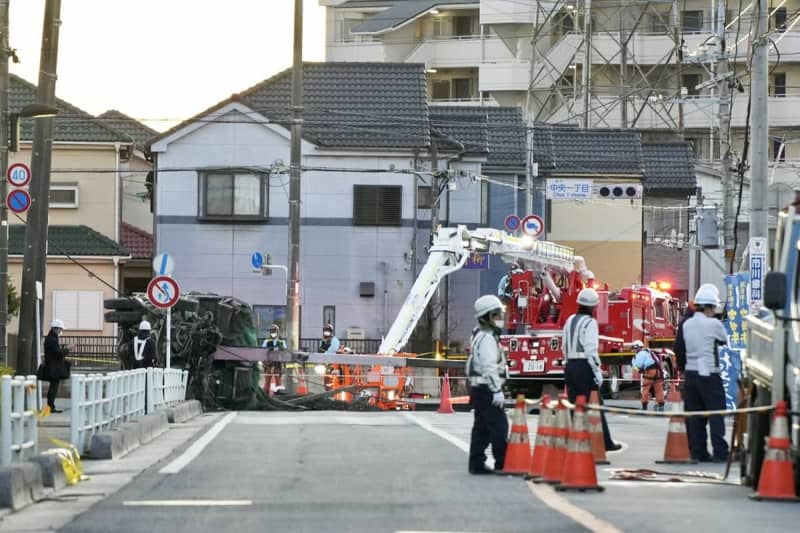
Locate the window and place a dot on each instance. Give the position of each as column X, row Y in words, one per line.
column 266, row 315
column 462, row 26
column 779, row 18
column 424, row 197
column 80, row 310
column 233, row 196
column 690, row 82
column 462, row 88
column 658, row 307
column 778, row 150
column 377, row 205
column 778, row 84
column 64, row 195
column 441, row 90
column 692, row 21
column 329, row 316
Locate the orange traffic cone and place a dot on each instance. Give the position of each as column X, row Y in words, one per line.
column 554, row 461
column 544, row 439
column 445, row 407
column 518, row 452
column 579, row 471
column 268, row 384
column 596, row 432
column 676, row 449
column 302, row 387
column 777, row 477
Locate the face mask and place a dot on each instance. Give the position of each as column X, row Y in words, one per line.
column 499, row 324
column 273, row 335
column 327, row 334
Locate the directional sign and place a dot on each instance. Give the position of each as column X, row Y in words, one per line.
column 532, row 225
column 163, row 265
column 18, row 174
column 163, row 292
column 512, row 222
column 257, row 260
column 18, row 200
column 758, row 265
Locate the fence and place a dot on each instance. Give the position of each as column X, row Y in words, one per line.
column 18, row 424
column 363, row 346
column 165, row 387
column 92, row 352
column 102, row 402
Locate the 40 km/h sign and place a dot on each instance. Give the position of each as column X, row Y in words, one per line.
column 18, row 174
column 163, row 292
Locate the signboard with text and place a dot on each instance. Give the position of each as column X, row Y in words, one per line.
column 758, row 264
column 569, row 189
column 730, row 356
column 477, row 261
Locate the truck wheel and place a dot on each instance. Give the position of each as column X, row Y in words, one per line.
column 122, row 304
column 123, row 317
column 757, row 433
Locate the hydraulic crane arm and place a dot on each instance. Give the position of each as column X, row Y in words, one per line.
column 450, row 251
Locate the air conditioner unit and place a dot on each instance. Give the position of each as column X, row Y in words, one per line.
column 620, row 191
column 355, row 334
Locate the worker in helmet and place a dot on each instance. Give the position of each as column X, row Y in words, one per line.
column 55, row 367
column 504, row 288
column 580, row 345
column 274, row 341
column 703, row 390
column 486, row 372
column 329, row 344
column 143, row 347
column 648, row 365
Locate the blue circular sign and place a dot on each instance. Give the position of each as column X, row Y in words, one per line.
column 18, row 200
column 512, row 222
column 257, row 260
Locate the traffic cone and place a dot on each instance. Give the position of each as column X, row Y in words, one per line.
column 676, row 449
column 544, row 439
column 518, row 452
column 302, row 387
column 554, row 461
column 268, row 384
column 445, row 407
column 579, row 471
column 596, row 432
column 777, row 477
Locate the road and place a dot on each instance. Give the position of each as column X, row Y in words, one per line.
column 382, row 472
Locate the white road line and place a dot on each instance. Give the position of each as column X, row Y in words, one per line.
column 187, row 503
column 544, row 493
column 197, row 448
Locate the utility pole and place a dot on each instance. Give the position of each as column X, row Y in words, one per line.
column 724, row 119
column 623, row 70
column 5, row 48
column 294, row 180
column 436, row 299
column 677, row 39
column 586, row 75
column 759, row 124
column 34, row 267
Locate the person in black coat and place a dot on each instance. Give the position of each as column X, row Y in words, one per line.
column 143, row 347
column 56, row 367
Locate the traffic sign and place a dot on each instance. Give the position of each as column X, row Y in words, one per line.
column 512, row 222
column 533, row 225
column 18, row 200
column 163, row 292
column 257, row 260
column 18, row 174
column 758, row 265
column 163, row 265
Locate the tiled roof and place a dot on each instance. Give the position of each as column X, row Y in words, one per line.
column 127, row 126
column 137, row 241
column 467, row 125
column 71, row 240
column 71, row 124
column 669, row 167
column 346, row 105
column 569, row 150
column 507, row 137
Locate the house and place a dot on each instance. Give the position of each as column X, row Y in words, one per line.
column 84, row 259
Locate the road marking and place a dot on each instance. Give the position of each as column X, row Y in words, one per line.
column 187, row 503
column 545, row 493
column 197, row 448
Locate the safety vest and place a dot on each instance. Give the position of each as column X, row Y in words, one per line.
column 138, row 348
column 575, row 326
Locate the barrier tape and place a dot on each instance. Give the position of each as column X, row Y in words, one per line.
column 93, row 360
column 671, row 414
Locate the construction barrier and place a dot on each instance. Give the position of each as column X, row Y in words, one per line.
column 18, row 423
column 165, row 387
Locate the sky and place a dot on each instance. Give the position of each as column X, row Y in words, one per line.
column 162, row 61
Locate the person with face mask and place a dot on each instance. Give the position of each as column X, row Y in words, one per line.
column 329, row 344
column 143, row 347
column 486, row 371
column 55, row 367
column 580, row 345
column 274, row 341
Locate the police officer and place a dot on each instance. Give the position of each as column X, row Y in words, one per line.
column 143, row 347
column 329, row 344
column 580, row 345
column 703, row 334
column 649, row 366
column 275, row 341
column 486, row 371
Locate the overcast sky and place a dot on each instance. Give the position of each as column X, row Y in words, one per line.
column 163, row 60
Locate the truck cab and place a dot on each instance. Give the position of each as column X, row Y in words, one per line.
column 771, row 363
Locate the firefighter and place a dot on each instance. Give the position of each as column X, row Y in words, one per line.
column 649, row 366
column 580, row 345
column 143, row 347
column 486, row 371
column 274, row 341
column 329, row 344
column 703, row 390
column 504, row 288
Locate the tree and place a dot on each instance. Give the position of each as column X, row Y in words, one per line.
column 13, row 302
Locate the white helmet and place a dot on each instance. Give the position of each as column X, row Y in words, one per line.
column 487, row 304
column 57, row 324
column 144, row 325
column 637, row 345
column 588, row 297
column 707, row 294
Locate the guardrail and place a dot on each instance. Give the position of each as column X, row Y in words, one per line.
column 104, row 401
column 18, row 424
column 165, row 387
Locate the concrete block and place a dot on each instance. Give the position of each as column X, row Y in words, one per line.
column 52, row 472
column 116, row 443
column 183, row 411
column 152, row 426
column 20, row 485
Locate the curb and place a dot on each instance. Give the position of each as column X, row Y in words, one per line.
column 128, row 436
column 183, row 411
column 52, row 471
column 20, row 485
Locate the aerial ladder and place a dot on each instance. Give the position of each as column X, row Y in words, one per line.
column 449, row 252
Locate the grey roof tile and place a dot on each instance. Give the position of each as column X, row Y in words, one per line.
column 669, row 167
column 467, row 125
column 72, row 240
column 127, row 126
column 569, row 150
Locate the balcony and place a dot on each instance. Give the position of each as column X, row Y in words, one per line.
column 504, row 76
column 511, row 11
column 454, row 52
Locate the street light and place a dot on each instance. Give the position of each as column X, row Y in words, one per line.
column 29, row 111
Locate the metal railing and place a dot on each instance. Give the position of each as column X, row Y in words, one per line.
column 92, row 352
column 101, row 402
column 19, row 431
column 165, row 387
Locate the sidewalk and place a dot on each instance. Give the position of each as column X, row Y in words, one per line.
column 55, row 425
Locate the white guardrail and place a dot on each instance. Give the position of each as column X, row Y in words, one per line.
column 165, row 387
column 18, row 424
